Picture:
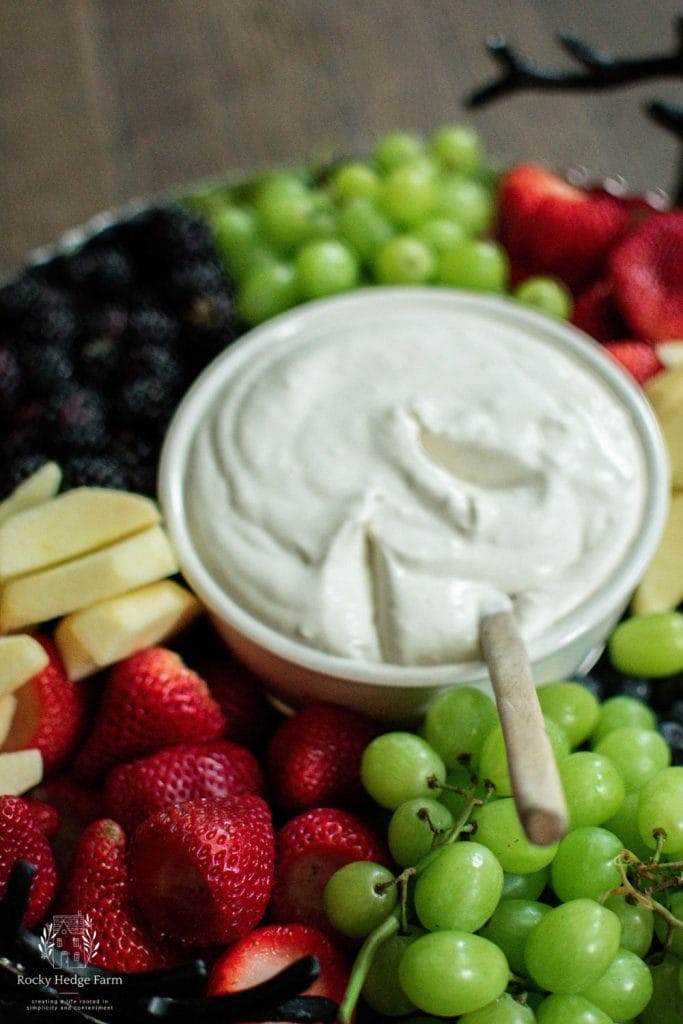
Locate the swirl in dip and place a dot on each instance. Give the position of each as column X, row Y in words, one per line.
column 371, row 485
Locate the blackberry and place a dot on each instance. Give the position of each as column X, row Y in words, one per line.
column 145, row 402
column 47, row 369
column 19, row 469
column 159, row 363
column 188, row 280
column 94, row 471
column 673, row 734
column 105, row 272
column 152, row 324
column 10, row 382
column 77, row 421
column 19, row 296
column 99, row 360
column 52, row 321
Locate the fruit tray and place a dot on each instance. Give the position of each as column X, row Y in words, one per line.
column 387, row 875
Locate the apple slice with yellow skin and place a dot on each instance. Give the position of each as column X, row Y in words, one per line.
column 112, row 630
column 20, row 771
column 665, row 391
column 71, row 525
column 144, row 558
column 8, row 705
column 20, row 658
column 661, row 588
column 39, row 487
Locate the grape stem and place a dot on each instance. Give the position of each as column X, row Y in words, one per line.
column 627, row 888
column 362, row 964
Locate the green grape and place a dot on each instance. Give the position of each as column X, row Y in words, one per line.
column 625, row 825
column 448, row 973
column 666, row 1004
column 234, row 227
column 461, row 778
column 499, row 828
column 398, row 766
column 408, row 193
column 593, row 787
column 250, row 257
column 569, row 1009
column 525, row 887
column 355, row 180
column 381, row 988
column 504, row 1010
column 458, row 722
column 572, row 946
column 274, row 186
column 637, row 924
column 208, row 203
column 267, row 291
column 638, row 754
column 460, row 889
column 510, row 927
column 584, row 864
column 398, row 148
column 618, row 712
column 547, row 295
column 467, row 201
column 675, row 905
column 404, row 260
column 648, row 645
column 494, row 764
column 441, row 234
column 411, row 829
column 481, row 266
column 625, row 988
column 572, row 707
column 660, row 806
column 358, row 897
column 364, row 227
column 457, row 147
column 288, row 219
column 325, row 268
column 680, row 980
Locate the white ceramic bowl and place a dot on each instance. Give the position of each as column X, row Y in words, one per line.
column 296, row 674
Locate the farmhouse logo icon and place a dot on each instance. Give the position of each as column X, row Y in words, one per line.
column 69, row 932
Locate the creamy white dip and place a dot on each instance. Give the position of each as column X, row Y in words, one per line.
column 371, row 486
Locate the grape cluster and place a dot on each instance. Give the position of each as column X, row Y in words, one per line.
column 416, row 212
column 97, row 346
column 478, row 923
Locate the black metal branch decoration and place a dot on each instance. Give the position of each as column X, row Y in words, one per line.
column 599, row 70
column 175, row 994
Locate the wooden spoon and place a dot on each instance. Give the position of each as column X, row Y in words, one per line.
column 536, row 785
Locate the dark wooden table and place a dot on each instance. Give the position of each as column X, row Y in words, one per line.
column 103, row 100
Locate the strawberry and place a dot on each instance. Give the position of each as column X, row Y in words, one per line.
column 45, row 815
column 310, row 848
column 21, row 838
column 637, row 357
column 174, row 775
column 50, row 714
column 269, row 950
column 249, row 716
column 76, row 806
column 98, row 887
column 595, row 312
column 151, row 700
column 314, row 757
column 202, row 871
column 551, row 227
column 646, row 270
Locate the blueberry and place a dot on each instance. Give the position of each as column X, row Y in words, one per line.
column 673, row 734
column 159, row 363
column 105, row 272
column 47, row 369
column 19, row 297
column 10, row 381
column 592, row 683
column 137, row 456
column 110, row 319
column 152, row 324
column 94, row 471
column 195, row 278
column 632, row 686
column 77, row 421
column 146, row 402
column 173, row 235
column 99, row 360
column 676, row 711
column 52, row 321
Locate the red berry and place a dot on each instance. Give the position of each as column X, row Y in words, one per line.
column 50, row 714
column 202, row 871
column 98, row 887
column 595, row 312
column 267, row 951
column 45, row 815
column 637, row 357
column 151, row 700
column 646, row 270
column 250, row 718
column 310, row 848
column 314, row 757
column 21, row 838
column 76, row 806
column 216, row 769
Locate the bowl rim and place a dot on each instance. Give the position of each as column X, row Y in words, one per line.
column 605, row 600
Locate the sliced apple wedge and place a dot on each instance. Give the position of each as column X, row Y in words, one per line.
column 39, row 487
column 111, row 630
column 20, row 771
column 20, row 658
column 8, row 705
column 144, row 558
column 75, row 523
column 665, row 391
column 661, row 588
